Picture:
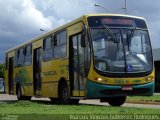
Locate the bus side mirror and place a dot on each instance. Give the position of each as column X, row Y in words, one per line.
column 83, row 37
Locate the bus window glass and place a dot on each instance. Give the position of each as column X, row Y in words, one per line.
column 28, row 55
column 62, row 38
column 120, row 44
column 60, row 45
column 139, row 45
column 47, row 54
column 60, row 51
column 20, row 57
column 136, row 44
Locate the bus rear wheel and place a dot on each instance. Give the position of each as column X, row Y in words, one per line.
column 64, row 94
column 74, row 101
column 18, row 93
column 117, row 101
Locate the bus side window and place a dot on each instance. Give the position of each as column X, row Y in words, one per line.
column 47, row 48
column 60, row 41
column 20, row 57
column 28, row 55
column 56, row 38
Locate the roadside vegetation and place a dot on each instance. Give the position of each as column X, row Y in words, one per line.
column 1, row 70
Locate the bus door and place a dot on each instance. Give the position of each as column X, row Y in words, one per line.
column 10, row 77
column 76, row 66
column 37, row 72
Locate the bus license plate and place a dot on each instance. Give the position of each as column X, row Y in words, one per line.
column 127, row 88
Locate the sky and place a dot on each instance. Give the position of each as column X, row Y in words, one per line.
column 21, row 20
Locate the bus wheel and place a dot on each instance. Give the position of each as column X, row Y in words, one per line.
column 64, row 93
column 74, row 101
column 117, row 101
column 54, row 100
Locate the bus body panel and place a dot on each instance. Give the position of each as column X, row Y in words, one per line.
column 52, row 72
column 23, row 76
column 96, row 90
column 10, row 55
column 93, row 76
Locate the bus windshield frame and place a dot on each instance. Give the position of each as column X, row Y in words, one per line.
column 130, row 40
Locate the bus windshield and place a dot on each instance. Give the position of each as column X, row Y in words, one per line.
column 121, row 48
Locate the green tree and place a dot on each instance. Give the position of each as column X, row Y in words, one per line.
column 1, row 70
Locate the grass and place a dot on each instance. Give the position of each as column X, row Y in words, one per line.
column 28, row 107
column 155, row 98
column 29, row 110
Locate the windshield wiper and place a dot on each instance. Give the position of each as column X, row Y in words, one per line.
column 132, row 33
column 111, row 33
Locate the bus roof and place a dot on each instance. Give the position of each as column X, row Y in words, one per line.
column 123, row 15
column 67, row 25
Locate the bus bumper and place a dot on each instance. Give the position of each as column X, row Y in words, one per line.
column 95, row 90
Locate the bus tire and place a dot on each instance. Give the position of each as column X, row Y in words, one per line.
column 64, row 93
column 117, row 101
column 54, row 100
column 74, row 101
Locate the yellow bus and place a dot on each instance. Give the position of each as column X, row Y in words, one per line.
column 97, row 56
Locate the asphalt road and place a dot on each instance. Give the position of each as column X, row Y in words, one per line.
column 10, row 98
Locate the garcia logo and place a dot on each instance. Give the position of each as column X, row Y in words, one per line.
column 49, row 73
